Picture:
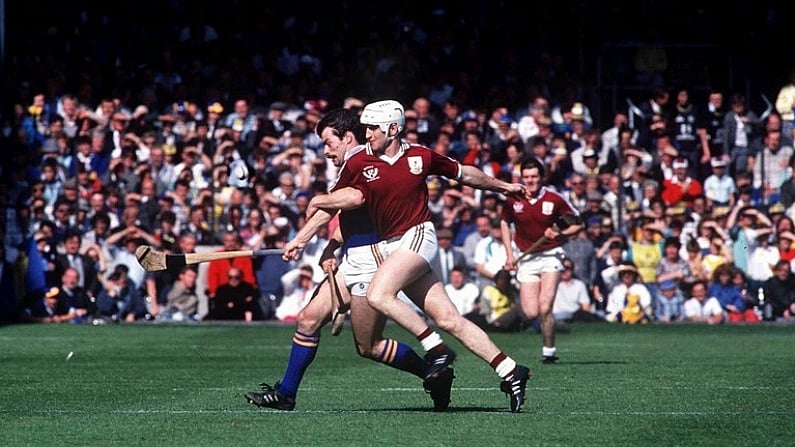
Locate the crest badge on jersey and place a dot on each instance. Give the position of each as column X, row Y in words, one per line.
column 547, row 208
column 370, row 173
column 518, row 207
column 415, row 165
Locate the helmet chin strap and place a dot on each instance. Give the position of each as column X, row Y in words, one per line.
column 390, row 139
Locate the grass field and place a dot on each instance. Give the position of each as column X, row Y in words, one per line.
column 167, row 385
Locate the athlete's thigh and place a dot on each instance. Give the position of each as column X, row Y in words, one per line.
column 399, row 269
column 428, row 294
column 528, row 294
column 547, row 290
column 367, row 324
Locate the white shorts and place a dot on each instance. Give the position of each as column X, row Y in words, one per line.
column 530, row 269
column 420, row 239
column 358, row 266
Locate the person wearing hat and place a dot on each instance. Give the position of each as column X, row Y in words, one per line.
column 669, row 302
column 630, row 301
column 719, row 187
column 681, row 188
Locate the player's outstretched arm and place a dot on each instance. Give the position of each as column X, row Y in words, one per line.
column 476, row 178
column 292, row 249
column 341, row 199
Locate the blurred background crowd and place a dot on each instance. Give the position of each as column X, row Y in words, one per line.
column 188, row 126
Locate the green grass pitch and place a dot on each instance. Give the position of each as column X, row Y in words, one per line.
column 164, row 385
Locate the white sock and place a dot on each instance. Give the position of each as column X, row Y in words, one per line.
column 505, row 368
column 549, row 352
column 431, row 341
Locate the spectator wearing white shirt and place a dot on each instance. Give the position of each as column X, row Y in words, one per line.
column 490, row 255
column 703, row 309
column 572, row 296
column 719, row 188
column 463, row 293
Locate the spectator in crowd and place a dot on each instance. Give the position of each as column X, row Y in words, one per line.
column 770, row 167
column 81, row 305
column 182, row 304
column 498, row 304
column 719, row 187
column 572, row 300
column 669, row 302
column 779, row 293
column 672, row 266
column 217, row 270
column 84, row 266
column 742, row 125
column 702, row 308
column 235, row 300
column 463, row 293
column 742, row 223
column 448, row 257
column 490, row 255
column 482, row 231
column 729, row 295
column 785, row 106
column 630, row 301
column 120, row 300
column 51, row 309
column 298, row 286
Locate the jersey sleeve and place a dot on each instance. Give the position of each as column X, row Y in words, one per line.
column 446, row 166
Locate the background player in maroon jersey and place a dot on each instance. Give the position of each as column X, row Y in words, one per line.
column 389, row 177
column 538, row 212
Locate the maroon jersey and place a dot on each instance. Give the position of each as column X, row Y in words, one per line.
column 395, row 191
column 532, row 217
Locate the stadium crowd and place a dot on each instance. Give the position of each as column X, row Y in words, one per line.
column 687, row 200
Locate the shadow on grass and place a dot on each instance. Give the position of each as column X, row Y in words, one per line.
column 449, row 410
column 597, row 362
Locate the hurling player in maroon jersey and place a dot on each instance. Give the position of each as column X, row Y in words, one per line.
column 539, row 212
column 341, row 133
column 389, row 178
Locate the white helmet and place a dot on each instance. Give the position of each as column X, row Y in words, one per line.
column 382, row 114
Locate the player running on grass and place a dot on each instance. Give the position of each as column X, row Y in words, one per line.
column 539, row 212
column 389, row 178
column 341, row 133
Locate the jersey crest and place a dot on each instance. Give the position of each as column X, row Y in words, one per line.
column 370, row 173
column 547, row 208
column 518, row 207
column 415, row 165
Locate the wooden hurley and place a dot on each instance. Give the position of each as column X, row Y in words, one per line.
column 338, row 321
column 155, row 261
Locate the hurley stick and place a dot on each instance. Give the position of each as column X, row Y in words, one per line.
column 336, row 302
column 154, row 261
column 560, row 224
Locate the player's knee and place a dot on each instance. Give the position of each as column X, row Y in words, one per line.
column 531, row 313
column 308, row 321
column 449, row 322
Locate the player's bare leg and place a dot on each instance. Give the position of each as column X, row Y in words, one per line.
column 411, row 268
column 440, row 308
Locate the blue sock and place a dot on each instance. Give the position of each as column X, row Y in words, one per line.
column 301, row 355
column 400, row 356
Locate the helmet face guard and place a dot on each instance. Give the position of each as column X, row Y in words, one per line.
column 383, row 114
